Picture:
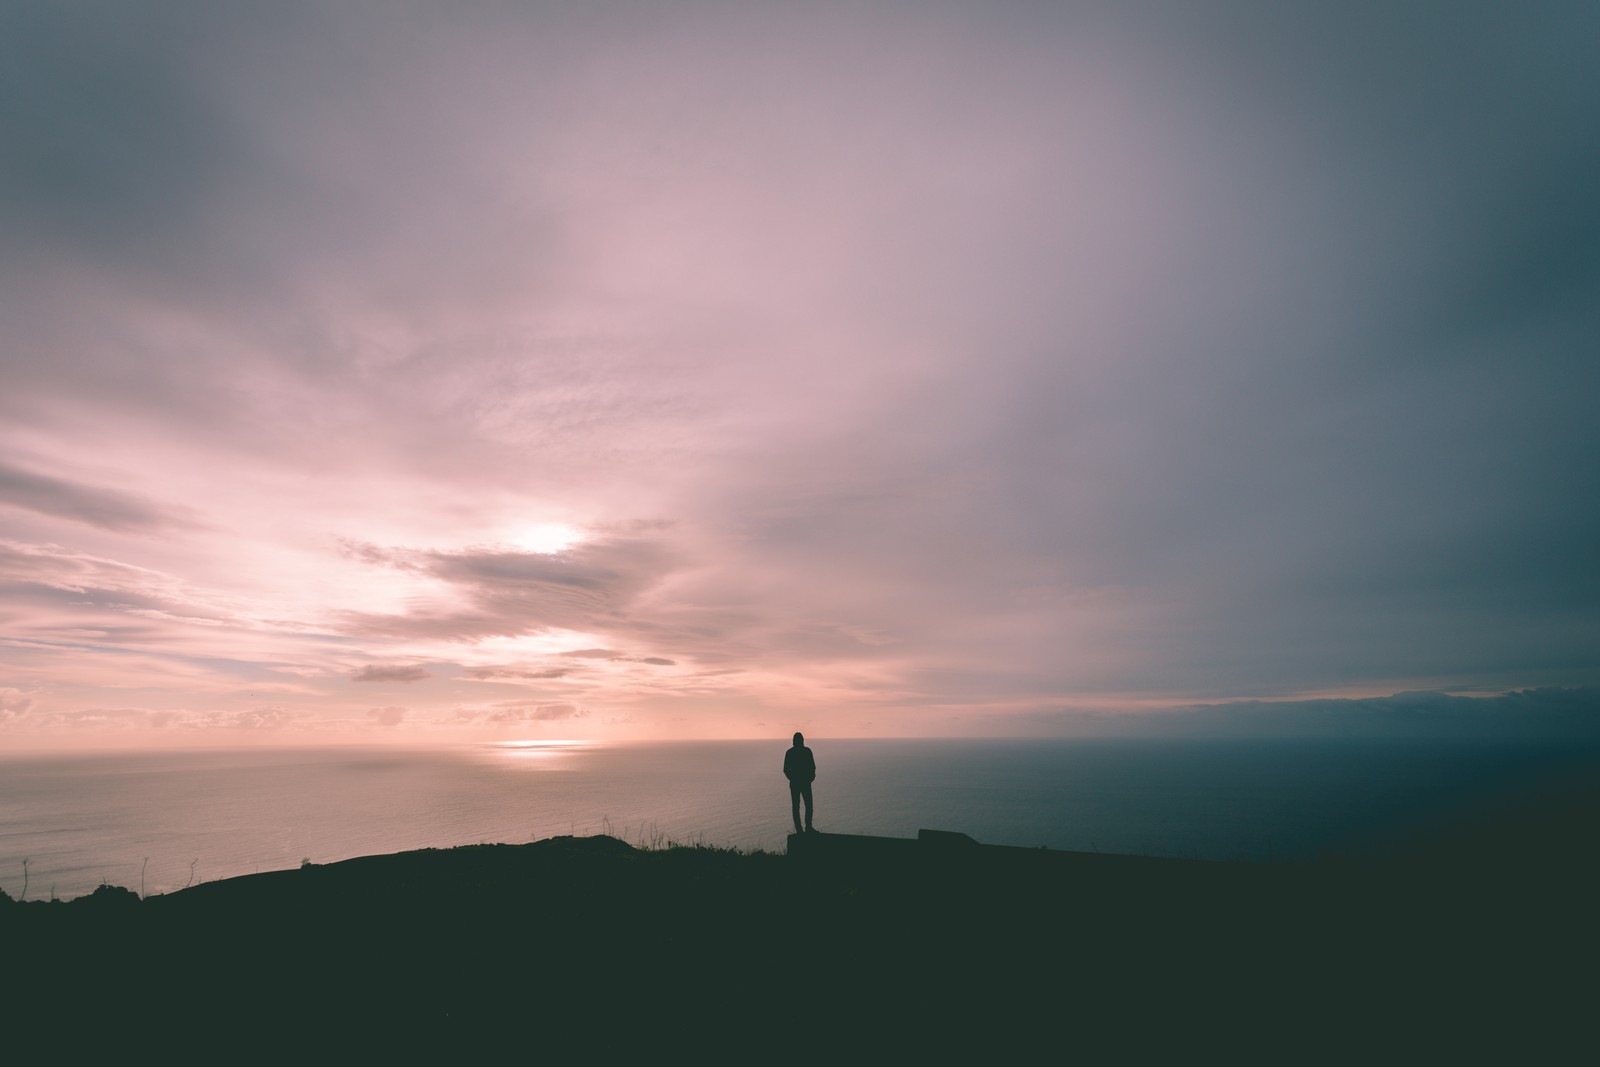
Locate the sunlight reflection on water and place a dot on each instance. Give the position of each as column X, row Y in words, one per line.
column 536, row 755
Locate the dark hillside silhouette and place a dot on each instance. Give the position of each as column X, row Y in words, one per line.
column 1463, row 946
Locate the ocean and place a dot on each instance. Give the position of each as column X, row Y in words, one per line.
column 156, row 822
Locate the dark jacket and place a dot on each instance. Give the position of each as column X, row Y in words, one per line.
column 799, row 765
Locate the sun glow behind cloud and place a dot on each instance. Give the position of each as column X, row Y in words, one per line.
column 546, row 538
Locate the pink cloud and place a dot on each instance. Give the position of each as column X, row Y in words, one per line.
column 14, row 703
column 492, row 673
column 392, row 715
column 379, row 673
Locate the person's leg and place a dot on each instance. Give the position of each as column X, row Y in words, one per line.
column 795, row 789
column 805, row 794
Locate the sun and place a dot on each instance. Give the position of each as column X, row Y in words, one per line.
column 546, row 538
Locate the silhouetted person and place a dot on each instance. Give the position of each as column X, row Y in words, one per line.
column 800, row 767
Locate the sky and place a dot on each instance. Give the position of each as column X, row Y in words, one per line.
column 434, row 372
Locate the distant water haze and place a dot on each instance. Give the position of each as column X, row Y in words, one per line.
column 160, row 821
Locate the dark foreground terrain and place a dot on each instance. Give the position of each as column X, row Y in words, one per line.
column 1477, row 944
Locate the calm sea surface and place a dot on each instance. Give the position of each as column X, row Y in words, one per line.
column 161, row 821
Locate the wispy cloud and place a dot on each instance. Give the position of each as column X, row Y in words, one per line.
column 95, row 505
column 517, row 711
column 382, row 673
column 14, row 702
column 392, row 715
column 492, row 673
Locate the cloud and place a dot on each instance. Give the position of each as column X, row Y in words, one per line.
column 14, row 703
column 379, row 673
column 108, row 595
column 506, row 711
column 493, row 673
column 77, row 572
column 613, row 656
column 590, row 587
column 94, row 505
column 121, row 720
column 260, row 718
column 392, row 715
column 552, row 712
column 98, row 718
